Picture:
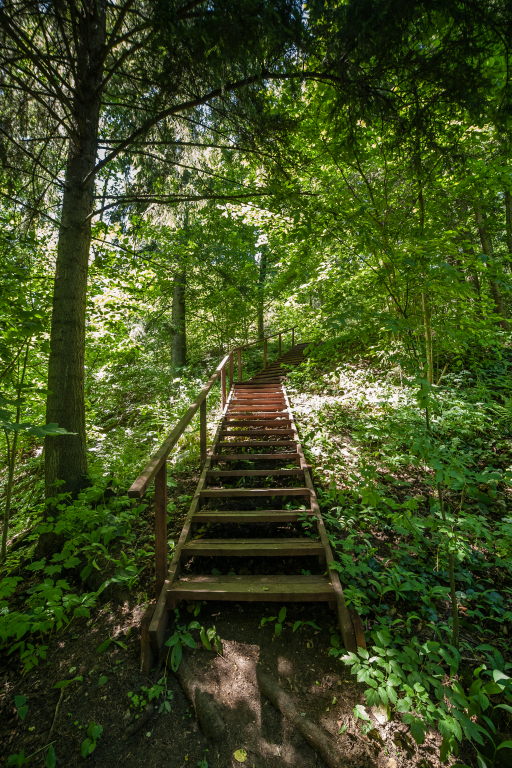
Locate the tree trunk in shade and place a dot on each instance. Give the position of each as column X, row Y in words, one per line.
column 179, row 335
column 65, row 455
column 261, row 293
column 485, row 239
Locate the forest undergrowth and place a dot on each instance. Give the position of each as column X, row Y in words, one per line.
column 419, row 515
column 418, row 503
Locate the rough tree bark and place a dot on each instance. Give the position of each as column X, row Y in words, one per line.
column 487, row 248
column 179, row 328
column 508, row 218
column 66, row 458
column 485, row 239
column 261, row 293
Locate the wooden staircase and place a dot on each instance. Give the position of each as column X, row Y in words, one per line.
column 257, row 526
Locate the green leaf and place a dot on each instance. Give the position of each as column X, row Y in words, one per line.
column 505, row 745
column 103, row 679
column 51, row 759
column 177, row 653
column 359, row 711
column 282, row 615
column 278, row 628
column 204, row 639
column 103, row 646
column 19, row 701
column 417, row 731
column 297, row 625
column 22, row 712
column 85, row 749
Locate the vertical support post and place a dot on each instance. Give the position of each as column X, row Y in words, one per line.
column 279, row 345
column 293, row 337
column 161, row 527
column 239, row 364
column 202, row 430
column 230, row 370
column 223, row 386
column 265, row 353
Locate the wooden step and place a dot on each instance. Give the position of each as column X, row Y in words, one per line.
column 250, row 516
column 256, row 433
column 253, row 472
column 257, row 444
column 252, row 548
column 258, row 423
column 254, row 588
column 289, row 456
column 257, row 408
column 252, row 493
column 257, row 417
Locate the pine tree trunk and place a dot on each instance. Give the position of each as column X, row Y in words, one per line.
column 179, row 328
column 65, row 455
column 499, row 304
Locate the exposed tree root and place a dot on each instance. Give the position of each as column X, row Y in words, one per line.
column 206, row 709
column 315, row 736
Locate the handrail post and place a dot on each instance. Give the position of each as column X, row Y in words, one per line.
column 279, row 345
column 223, row 386
column 202, row 430
column 231, row 370
column 265, row 353
column 239, row 364
column 293, row 337
column 161, row 527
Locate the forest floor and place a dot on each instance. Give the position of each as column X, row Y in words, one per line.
column 103, row 650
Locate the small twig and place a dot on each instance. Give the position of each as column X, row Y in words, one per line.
column 56, row 712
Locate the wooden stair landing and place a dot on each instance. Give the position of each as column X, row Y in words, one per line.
column 257, row 449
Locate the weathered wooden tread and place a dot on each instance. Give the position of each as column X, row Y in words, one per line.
column 290, row 455
column 257, row 423
column 256, row 444
column 257, row 433
column 252, row 548
column 254, row 588
column 221, row 493
column 249, row 516
column 252, row 473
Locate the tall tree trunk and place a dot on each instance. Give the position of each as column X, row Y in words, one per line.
column 65, row 455
column 427, row 322
column 179, row 328
column 261, row 293
column 508, row 218
column 499, row 305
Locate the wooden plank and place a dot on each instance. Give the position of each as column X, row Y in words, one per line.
column 257, row 423
column 256, row 417
column 252, row 473
column 257, row 444
column 202, row 431
column 244, row 516
column 141, row 484
column 251, row 548
column 161, row 527
column 160, row 618
column 256, row 588
column 228, row 493
column 290, row 456
column 257, row 433
column 348, row 632
column 257, row 408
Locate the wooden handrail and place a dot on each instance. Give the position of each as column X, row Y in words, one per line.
column 140, row 486
column 156, row 468
column 260, row 341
